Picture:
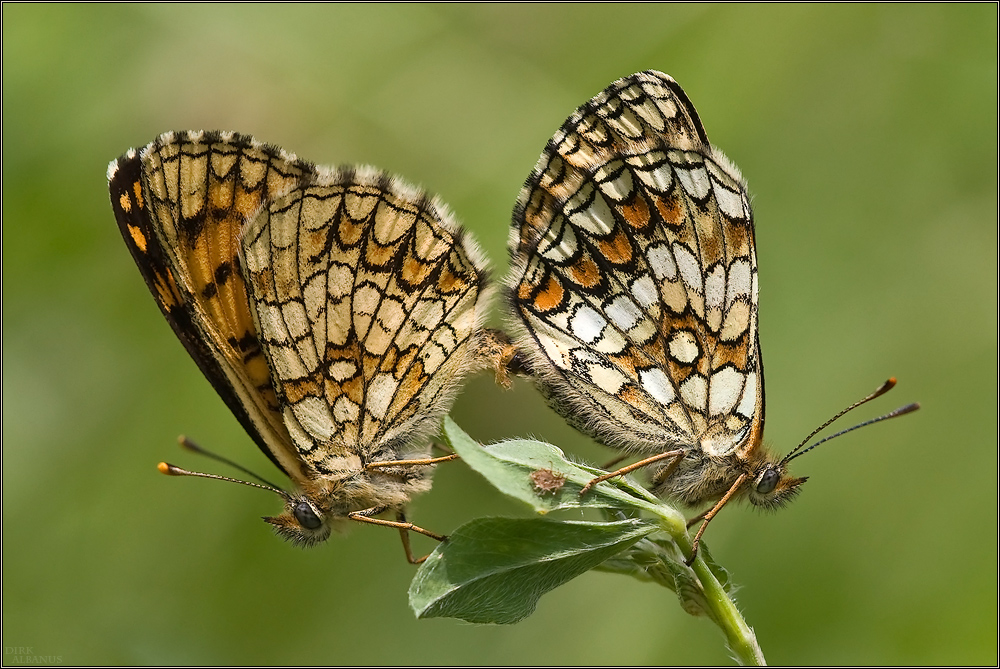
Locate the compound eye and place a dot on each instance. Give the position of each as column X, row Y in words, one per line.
column 306, row 516
column 768, row 481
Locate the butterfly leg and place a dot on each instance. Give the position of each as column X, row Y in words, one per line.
column 678, row 455
column 711, row 514
column 665, row 473
column 700, row 516
column 404, row 535
column 401, row 524
column 408, row 463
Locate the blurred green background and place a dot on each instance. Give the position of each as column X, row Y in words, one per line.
column 868, row 135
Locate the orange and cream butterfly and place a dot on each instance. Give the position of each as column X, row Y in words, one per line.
column 334, row 310
column 633, row 292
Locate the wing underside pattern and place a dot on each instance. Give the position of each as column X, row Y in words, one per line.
column 181, row 203
column 634, row 279
column 366, row 301
column 369, row 302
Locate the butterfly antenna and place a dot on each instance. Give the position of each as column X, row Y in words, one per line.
column 909, row 408
column 174, row 470
column 191, row 446
column 881, row 390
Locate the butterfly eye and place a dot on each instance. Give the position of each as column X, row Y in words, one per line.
column 306, row 516
column 768, row 481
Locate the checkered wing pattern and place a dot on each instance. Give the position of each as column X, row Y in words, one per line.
column 634, row 278
column 334, row 310
column 181, row 203
column 369, row 301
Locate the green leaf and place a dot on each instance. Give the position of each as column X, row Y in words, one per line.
column 514, row 466
column 493, row 570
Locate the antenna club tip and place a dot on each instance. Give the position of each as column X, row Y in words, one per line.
column 167, row 469
column 881, row 390
column 909, row 408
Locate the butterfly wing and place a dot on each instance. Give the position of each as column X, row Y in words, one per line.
column 634, row 277
column 370, row 298
column 180, row 204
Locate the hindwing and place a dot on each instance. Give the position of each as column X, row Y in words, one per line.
column 634, row 277
column 334, row 310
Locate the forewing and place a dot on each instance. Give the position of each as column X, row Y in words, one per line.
column 634, row 276
column 180, row 203
column 370, row 299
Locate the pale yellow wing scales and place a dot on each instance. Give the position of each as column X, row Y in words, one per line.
column 335, row 311
column 370, row 307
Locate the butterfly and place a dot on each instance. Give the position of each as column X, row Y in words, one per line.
column 633, row 292
column 335, row 311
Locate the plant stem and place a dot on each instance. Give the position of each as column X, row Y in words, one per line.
column 739, row 636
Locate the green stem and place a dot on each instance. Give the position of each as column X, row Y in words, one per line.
column 739, row 636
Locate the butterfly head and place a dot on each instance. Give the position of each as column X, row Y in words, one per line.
column 324, row 503
column 303, row 522
column 771, row 487
column 306, row 520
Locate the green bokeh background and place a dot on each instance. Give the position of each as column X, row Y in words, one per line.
column 868, row 135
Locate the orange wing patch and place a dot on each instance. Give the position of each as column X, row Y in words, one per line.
column 646, row 228
column 335, row 311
